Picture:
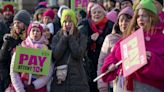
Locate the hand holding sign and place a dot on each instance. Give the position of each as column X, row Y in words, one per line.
column 148, row 54
column 133, row 54
column 112, row 67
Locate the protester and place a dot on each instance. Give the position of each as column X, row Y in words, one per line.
column 109, row 4
column 149, row 78
column 35, row 39
column 119, row 27
column 112, row 15
column 48, row 18
column 68, row 47
column 18, row 33
column 55, row 8
column 38, row 15
column 8, row 13
column 96, row 28
column 57, row 18
column 81, row 15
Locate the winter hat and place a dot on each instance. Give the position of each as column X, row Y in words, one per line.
column 49, row 13
column 34, row 24
column 40, row 11
column 160, row 1
column 8, row 7
column 61, row 9
column 98, row 6
column 112, row 16
column 39, row 7
column 70, row 13
column 82, row 13
column 127, row 10
column 43, row 3
column 148, row 4
column 23, row 16
column 126, row 0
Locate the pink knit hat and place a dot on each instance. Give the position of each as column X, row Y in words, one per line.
column 112, row 16
column 127, row 10
column 34, row 24
column 43, row 3
column 49, row 13
column 98, row 6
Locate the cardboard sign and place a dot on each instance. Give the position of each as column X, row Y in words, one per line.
column 33, row 61
column 133, row 53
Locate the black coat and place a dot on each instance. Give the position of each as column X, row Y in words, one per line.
column 5, row 59
column 70, row 49
column 93, row 54
column 57, row 24
column 3, row 31
column 6, row 51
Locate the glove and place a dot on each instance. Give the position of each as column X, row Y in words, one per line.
column 29, row 88
column 7, row 37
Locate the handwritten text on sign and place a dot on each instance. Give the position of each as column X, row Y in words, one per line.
column 133, row 53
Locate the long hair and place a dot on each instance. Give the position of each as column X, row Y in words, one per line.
column 116, row 27
column 22, row 35
column 153, row 20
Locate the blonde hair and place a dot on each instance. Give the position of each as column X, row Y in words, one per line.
column 23, row 35
column 153, row 20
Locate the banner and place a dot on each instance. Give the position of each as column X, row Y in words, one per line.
column 133, row 53
column 33, row 61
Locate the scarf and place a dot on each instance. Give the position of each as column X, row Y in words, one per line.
column 99, row 26
column 29, row 43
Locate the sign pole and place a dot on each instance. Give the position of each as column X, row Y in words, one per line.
column 29, row 80
column 103, row 74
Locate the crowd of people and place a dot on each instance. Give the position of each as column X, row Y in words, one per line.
column 84, row 44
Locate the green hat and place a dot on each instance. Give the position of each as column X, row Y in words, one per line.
column 149, row 5
column 68, row 12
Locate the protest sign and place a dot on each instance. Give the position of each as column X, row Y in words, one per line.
column 79, row 4
column 133, row 53
column 33, row 61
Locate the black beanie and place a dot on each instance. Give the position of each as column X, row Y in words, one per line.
column 23, row 16
column 161, row 2
column 82, row 13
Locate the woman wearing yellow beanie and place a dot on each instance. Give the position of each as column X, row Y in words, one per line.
column 68, row 47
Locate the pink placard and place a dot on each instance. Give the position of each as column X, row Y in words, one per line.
column 133, row 53
column 81, row 3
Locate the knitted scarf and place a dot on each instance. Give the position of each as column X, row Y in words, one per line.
column 99, row 26
column 29, row 43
